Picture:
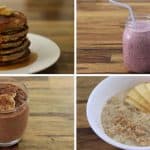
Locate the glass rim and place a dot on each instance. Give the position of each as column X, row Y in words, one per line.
column 24, row 88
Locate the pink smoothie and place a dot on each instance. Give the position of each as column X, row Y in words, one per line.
column 136, row 46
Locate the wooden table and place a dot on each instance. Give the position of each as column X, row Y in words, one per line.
column 100, row 29
column 86, row 138
column 53, row 19
column 51, row 119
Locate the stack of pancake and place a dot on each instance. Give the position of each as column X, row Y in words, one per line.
column 14, row 45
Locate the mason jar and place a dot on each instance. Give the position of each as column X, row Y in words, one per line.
column 136, row 44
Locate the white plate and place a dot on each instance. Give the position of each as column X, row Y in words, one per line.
column 47, row 54
column 98, row 98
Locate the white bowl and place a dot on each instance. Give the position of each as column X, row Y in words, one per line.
column 98, row 98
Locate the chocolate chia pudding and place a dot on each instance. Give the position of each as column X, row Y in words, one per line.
column 13, row 112
column 124, row 123
column 136, row 45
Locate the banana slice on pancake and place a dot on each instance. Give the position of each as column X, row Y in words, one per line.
column 4, row 10
column 139, row 97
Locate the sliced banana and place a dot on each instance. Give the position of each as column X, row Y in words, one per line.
column 148, row 86
column 143, row 91
column 135, row 104
column 7, row 102
column 139, row 97
column 5, row 11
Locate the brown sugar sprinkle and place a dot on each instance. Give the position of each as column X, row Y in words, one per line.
column 127, row 125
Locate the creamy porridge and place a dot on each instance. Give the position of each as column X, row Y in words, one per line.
column 125, row 123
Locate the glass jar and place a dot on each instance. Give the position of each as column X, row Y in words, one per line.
column 13, row 122
column 136, row 44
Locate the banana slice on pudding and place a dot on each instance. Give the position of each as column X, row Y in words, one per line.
column 139, row 97
column 7, row 102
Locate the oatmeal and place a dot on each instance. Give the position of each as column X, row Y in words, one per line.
column 125, row 123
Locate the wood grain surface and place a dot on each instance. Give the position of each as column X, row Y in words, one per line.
column 86, row 138
column 55, row 20
column 51, row 119
column 100, row 28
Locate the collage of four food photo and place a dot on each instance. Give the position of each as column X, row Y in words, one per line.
column 74, row 75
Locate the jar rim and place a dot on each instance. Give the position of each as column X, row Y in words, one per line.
column 137, row 17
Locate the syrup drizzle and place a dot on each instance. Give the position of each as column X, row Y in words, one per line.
column 32, row 58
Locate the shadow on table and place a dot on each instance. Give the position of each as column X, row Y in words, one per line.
column 15, row 147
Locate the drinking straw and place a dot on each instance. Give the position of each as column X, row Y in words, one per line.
column 125, row 6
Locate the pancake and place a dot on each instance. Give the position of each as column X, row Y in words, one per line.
column 14, row 56
column 13, row 44
column 21, row 59
column 16, row 49
column 15, row 20
column 13, row 37
column 14, row 30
